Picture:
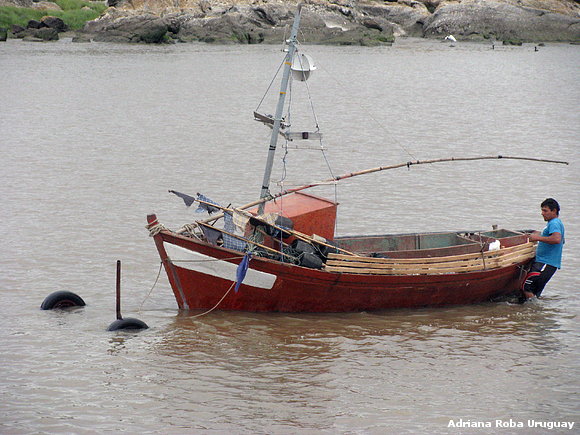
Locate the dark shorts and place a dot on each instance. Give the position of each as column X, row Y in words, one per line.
column 538, row 277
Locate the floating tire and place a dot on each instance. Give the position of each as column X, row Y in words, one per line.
column 62, row 299
column 128, row 323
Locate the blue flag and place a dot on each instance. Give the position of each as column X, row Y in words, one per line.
column 241, row 270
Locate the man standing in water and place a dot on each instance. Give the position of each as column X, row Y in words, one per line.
column 549, row 251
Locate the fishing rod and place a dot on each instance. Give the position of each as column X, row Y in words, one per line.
column 386, row 168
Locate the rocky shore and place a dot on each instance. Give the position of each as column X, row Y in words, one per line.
column 345, row 22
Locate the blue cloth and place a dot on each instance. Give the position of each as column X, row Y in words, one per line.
column 241, row 270
column 206, row 207
column 548, row 253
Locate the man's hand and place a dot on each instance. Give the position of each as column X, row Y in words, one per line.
column 552, row 239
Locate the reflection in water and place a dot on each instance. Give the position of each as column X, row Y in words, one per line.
column 313, row 365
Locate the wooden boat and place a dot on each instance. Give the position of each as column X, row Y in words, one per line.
column 295, row 263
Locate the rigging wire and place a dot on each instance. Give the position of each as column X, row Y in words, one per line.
column 270, row 85
column 370, row 115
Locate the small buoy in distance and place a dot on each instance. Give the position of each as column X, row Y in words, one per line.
column 128, row 323
column 62, row 299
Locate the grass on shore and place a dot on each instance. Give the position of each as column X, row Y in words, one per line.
column 72, row 13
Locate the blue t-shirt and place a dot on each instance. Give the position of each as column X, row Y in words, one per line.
column 547, row 253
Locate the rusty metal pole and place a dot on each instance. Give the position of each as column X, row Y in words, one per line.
column 119, row 317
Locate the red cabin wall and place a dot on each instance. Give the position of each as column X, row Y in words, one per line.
column 310, row 214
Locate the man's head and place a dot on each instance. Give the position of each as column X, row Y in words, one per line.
column 550, row 209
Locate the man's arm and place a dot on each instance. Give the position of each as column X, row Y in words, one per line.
column 552, row 239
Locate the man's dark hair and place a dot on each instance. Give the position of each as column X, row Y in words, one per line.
column 552, row 204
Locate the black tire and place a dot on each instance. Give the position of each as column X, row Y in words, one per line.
column 62, row 299
column 128, row 323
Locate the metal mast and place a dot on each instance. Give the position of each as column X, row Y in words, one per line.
column 292, row 41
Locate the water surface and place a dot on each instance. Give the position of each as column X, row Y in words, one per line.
column 93, row 136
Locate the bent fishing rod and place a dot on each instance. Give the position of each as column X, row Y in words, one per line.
column 386, row 168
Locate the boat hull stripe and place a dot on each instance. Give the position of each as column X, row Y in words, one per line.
column 207, row 265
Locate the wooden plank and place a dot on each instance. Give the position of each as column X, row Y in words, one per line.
column 513, row 260
column 396, row 271
column 449, row 267
column 451, row 258
column 359, row 267
column 364, row 265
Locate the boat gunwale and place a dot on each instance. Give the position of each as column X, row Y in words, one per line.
column 283, row 269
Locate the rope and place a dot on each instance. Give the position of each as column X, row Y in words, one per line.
column 270, row 85
column 208, row 260
column 156, row 229
column 150, row 291
column 216, row 305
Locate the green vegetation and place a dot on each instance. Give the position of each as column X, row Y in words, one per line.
column 72, row 13
column 512, row 41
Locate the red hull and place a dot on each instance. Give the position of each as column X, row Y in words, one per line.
column 199, row 282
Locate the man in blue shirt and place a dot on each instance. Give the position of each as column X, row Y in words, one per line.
column 549, row 251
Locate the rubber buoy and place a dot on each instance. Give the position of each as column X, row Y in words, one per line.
column 128, row 323
column 62, row 299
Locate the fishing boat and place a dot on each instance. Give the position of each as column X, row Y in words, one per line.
column 280, row 252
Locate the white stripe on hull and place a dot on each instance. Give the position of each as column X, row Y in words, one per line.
column 207, row 265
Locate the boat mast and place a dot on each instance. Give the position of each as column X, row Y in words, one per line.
column 292, row 41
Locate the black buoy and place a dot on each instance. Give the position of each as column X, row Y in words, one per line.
column 62, row 299
column 129, row 322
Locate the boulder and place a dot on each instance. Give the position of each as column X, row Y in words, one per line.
column 17, row 3
column 337, row 21
column 404, row 19
column 16, row 29
column 270, row 23
column 81, row 38
column 46, row 34
column 43, row 34
column 34, row 24
column 490, row 19
column 140, row 28
column 54, row 23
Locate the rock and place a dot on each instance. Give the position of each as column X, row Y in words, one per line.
column 478, row 19
column 512, row 42
column 81, row 38
column 46, row 6
column 406, row 20
column 45, row 34
column 42, row 34
column 148, row 28
column 337, row 21
column 16, row 29
column 54, row 23
column 34, row 24
column 3, row 34
column 17, row 3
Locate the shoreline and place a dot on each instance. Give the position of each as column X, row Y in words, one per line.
column 337, row 22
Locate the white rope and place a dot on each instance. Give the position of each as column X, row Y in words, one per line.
column 216, row 305
column 156, row 229
column 188, row 228
column 150, row 291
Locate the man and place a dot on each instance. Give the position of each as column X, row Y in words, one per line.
column 549, row 251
